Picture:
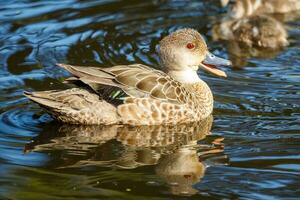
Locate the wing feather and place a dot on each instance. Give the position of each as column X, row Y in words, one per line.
column 135, row 80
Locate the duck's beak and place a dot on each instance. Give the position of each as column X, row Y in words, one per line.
column 211, row 62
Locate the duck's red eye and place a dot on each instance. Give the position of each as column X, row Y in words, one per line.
column 190, row 46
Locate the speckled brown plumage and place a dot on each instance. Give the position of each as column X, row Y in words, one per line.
column 148, row 96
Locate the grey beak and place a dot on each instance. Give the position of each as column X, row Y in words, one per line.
column 211, row 59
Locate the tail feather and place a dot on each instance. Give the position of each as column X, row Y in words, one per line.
column 76, row 106
column 42, row 98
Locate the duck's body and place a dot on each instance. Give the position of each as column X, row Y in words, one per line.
column 152, row 96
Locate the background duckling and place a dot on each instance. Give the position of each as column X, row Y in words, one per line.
column 245, row 24
column 256, row 35
column 254, row 31
column 261, row 31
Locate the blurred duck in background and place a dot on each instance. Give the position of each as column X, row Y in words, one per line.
column 252, row 32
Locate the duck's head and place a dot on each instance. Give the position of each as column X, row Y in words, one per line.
column 185, row 51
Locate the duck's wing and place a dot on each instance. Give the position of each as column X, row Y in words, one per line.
column 137, row 81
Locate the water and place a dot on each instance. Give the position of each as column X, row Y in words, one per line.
column 250, row 152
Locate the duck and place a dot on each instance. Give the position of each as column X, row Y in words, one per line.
column 137, row 94
column 247, row 23
column 244, row 8
column 259, row 31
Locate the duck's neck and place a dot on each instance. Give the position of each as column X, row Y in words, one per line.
column 203, row 101
column 187, row 76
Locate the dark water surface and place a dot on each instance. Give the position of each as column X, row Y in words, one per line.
column 251, row 152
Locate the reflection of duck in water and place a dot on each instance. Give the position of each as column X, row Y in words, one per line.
column 184, row 168
column 181, row 170
column 251, row 33
column 172, row 150
column 153, row 97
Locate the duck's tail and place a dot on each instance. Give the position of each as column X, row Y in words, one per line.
column 75, row 106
